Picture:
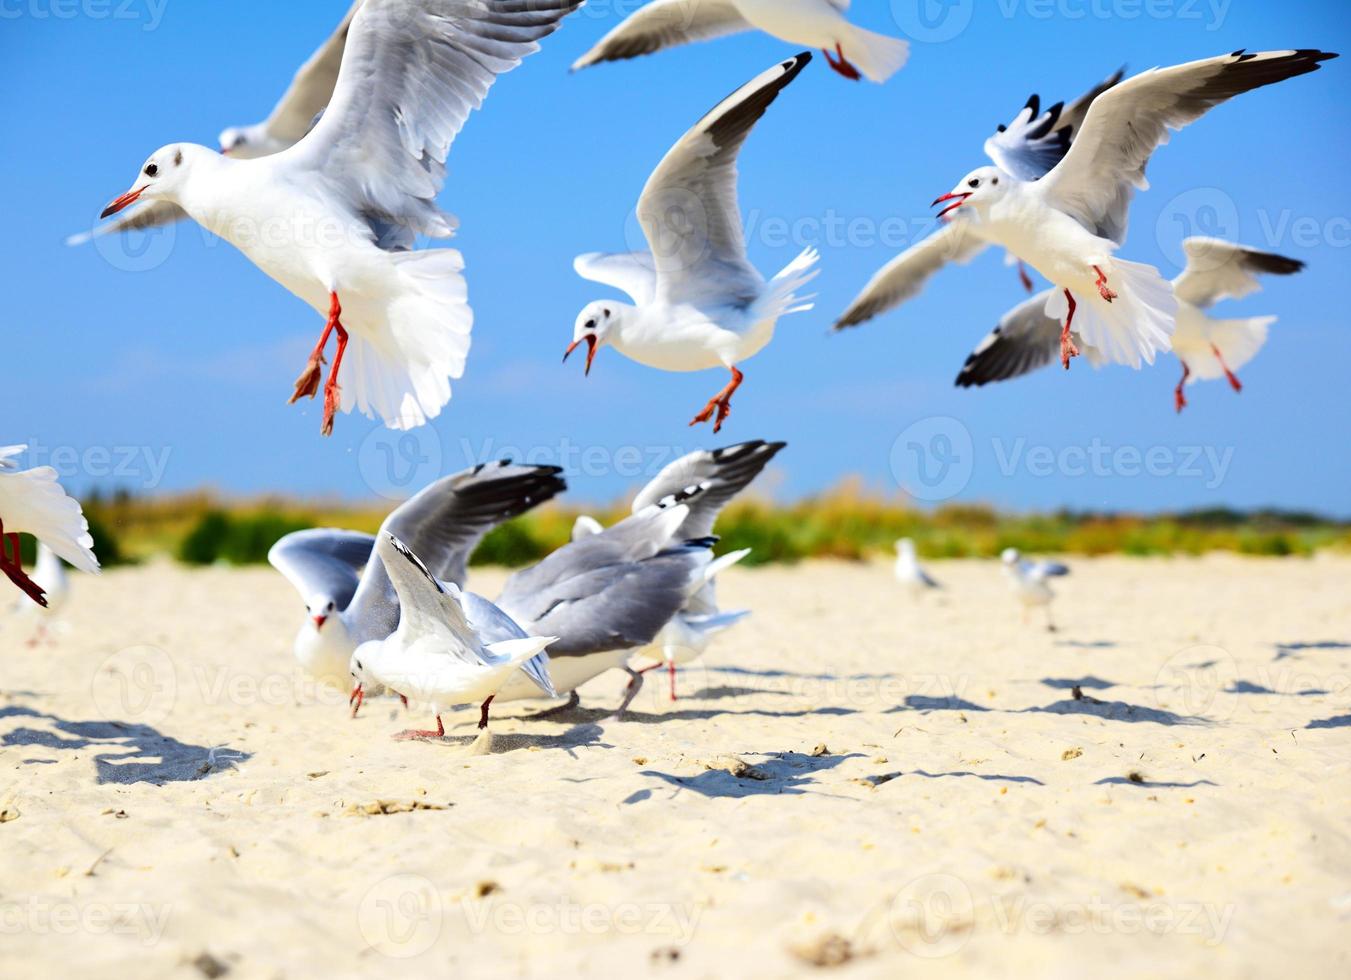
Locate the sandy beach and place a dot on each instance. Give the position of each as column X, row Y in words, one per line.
column 852, row 782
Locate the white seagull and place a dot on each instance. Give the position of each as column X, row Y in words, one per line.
column 1209, row 348
column 1069, row 224
column 294, row 115
column 49, row 574
column 435, row 655
column 699, row 303
column 909, row 572
column 1028, row 579
column 334, row 218
column 813, row 23
column 32, row 502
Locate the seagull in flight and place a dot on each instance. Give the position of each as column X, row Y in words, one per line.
column 698, row 303
column 850, row 50
column 334, row 217
column 1069, row 223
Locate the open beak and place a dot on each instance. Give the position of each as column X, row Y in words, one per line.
column 319, row 621
column 590, row 353
column 125, row 201
column 358, row 696
column 959, row 198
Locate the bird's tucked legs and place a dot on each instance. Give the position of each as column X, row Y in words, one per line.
column 842, row 65
column 1103, row 291
column 1067, row 348
column 414, row 733
column 1023, row 277
column 721, row 403
column 1233, row 378
column 483, row 715
column 12, row 566
column 1179, row 397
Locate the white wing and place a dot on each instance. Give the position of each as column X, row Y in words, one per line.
column 689, row 209
column 665, row 24
column 1124, row 125
column 323, row 562
column 1218, row 270
column 149, row 214
column 1032, row 144
column 33, row 502
column 412, row 72
column 905, row 276
column 633, row 272
column 427, row 606
column 312, row 88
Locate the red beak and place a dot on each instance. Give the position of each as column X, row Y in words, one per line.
column 125, row 201
column 959, row 198
column 358, row 695
column 319, row 621
column 590, row 352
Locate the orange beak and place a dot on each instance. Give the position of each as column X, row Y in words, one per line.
column 123, row 202
column 959, row 198
column 590, row 353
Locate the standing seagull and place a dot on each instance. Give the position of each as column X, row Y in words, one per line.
column 294, row 115
column 334, row 218
column 32, row 502
column 1028, row 579
column 348, row 596
column 814, row 23
column 909, row 572
column 1069, row 224
column 49, row 574
column 700, row 304
column 435, row 655
column 1027, row 339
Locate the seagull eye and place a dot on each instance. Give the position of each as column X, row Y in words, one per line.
column 973, row 183
column 591, row 324
column 152, row 169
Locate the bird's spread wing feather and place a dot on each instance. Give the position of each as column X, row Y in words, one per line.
column 425, row 604
column 140, row 217
column 1218, row 270
column 412, row 72
column 312, row 88
column 689, row 210
column 632, row 272
column 323, row 561
column 905, row 276
column 725, row 472
column 1124, row 125
column 1025, row 340
column 664, row 24
column 1031, row 145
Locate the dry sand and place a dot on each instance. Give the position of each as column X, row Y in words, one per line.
column 852, row 780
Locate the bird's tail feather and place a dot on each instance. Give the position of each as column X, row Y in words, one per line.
column 1135, row 326
column 876, row 55
column 1238, row 342
column 781, row 297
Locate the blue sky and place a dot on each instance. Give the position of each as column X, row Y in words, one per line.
column 166, row 362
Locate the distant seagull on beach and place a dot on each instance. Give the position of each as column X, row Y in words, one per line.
column 435, row 655
column 32, row 502
column 726, row 473
column 294, row 115
column 1029, row 581
column 851, row 51
column 909, row 572
column 334, row 218
column 1069, row 224
column 699, row 303
column 49, row 574
column 1027, row 339
column 346, row 590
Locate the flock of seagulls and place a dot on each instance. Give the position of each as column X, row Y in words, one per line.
column 329, row 194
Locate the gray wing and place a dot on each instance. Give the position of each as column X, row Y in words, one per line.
column 323, row 561
column 664, row 24
column 494, row 626
column 1218, row 270
column 1125, row 125
column 1025, row 340
column 412, row 72
column 1030, row 146
column 689, row 210
column 149, row 214
column 727, row 472
column 1043, row 570
column 905, row 276
column 312, row 88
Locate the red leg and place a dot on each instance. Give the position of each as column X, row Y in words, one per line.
column 1067, row 348
column 423, row 733
column 1103, row 291
column 721, row 403
column 1023, row 277
column 12, row 566
column 307, row 385
column 671, row 668
column 1180, row 399
column 357, row 696
column 483, row 714
column 1233, row 378
column 842, row 65
column 332, row 397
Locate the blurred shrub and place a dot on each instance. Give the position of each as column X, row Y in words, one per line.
column 236, row 539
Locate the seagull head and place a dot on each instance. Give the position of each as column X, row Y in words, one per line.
column 977, row 190
column 1010, row 556
column 248, row 142
column 321, row 608
column 593, row 328
column 161, row 177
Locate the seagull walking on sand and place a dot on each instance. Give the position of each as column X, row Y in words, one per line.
column 1029, row 581
column 850, row 50
column 909, row 572
column 1069, row 223
column 726, row 473
column 348, row 596
column 698, row 303
column 435, row 655
column 32, row 502
column 1209, row 348
column 334, row 217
